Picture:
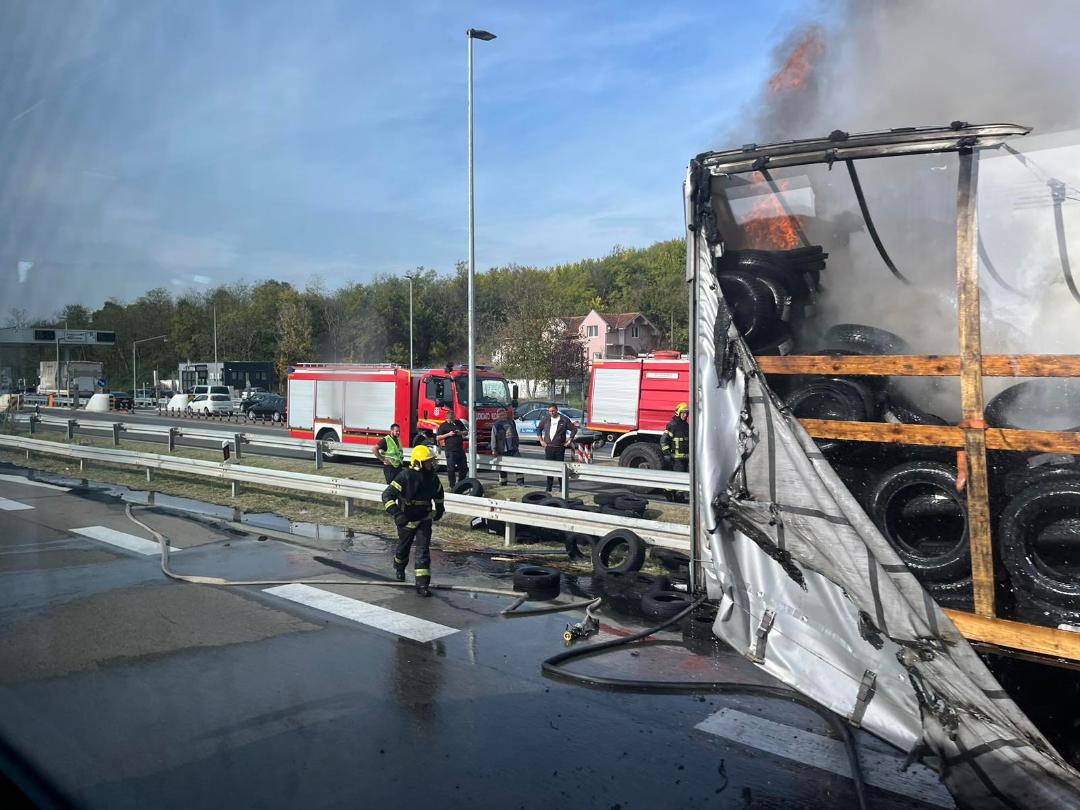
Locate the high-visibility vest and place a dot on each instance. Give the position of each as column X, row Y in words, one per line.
column 394, row 453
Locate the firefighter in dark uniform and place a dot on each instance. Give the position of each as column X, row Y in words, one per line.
column 675, row 443
column 414, row 499
column 451, row 435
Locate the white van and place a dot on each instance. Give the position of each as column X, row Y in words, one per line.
column 211, row 389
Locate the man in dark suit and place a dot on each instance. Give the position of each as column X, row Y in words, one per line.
column 556, row 433
column 451, row 435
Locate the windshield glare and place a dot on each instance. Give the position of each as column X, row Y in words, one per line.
column 490, row 393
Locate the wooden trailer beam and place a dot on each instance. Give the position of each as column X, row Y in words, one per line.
column 909, row 365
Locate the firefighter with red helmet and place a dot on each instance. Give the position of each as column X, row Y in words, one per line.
column 414, row 499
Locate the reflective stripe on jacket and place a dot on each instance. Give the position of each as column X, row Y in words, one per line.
column 676, row 440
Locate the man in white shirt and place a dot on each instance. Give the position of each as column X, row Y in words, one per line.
column 556, row 433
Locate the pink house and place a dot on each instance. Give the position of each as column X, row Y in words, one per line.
column 607, row 336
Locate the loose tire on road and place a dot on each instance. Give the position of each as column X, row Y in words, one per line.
column 1040, row 534
column 538, row 583
column 664, row 604
column 469, row 486
column 918, row 510
column 619, row 551
column 642, row 455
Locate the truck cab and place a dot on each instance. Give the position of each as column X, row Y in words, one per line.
column 442, row 394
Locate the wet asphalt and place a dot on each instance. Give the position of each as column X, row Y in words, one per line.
column 126, row 689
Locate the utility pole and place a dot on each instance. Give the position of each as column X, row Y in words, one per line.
column 485, row 36
column 215, row 337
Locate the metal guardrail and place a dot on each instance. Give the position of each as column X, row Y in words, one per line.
column 565, row 471
column 511, row 513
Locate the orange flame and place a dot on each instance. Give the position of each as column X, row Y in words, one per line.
column 767, row 226
column 792, row 76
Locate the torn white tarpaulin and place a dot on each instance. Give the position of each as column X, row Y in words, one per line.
column 808, row 588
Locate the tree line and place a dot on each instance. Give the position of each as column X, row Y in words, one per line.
column 517, row 312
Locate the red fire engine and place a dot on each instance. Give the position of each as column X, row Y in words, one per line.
column 358, row 403
column 631, row 402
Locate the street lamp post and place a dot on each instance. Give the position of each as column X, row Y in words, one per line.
column 485, row 36
column 134, row 384
column 411, row 277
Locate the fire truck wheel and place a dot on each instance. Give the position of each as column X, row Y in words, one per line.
column 469, row 486
column 620, row 551
column 918, row 510
column 1040, row 530
column 642, row 455
column 861, row 339
column 538, row 583
column 535, row 496
column 327, row 435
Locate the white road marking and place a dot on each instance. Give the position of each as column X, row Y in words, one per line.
column 391, row 621
column 18, row 479
column 130, row 542
column 12, row 506
column 879, row 770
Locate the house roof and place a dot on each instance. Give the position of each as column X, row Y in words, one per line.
column 616, row 320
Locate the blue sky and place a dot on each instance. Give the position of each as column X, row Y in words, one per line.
column 188, row 144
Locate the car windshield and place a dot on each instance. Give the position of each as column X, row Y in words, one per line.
column 489, row 392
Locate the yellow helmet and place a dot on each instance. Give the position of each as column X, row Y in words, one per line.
column 682, row 406
column 422, row 453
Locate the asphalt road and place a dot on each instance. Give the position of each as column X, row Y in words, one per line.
column 125, row 689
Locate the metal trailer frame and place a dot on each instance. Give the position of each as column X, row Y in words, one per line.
column 984, row 627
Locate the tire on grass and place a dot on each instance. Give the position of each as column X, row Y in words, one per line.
column 469, row 486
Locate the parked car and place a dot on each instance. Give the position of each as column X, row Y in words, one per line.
column 199, row 390
column 532, row 404
column 211, row 403
column 529, row 420
column 249, row 393
column 266, row 406
column 247, row 403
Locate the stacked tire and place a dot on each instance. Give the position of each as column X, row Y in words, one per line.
column 768, row 292
column 919, row 511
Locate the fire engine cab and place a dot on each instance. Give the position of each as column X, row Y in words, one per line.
column 358, row 403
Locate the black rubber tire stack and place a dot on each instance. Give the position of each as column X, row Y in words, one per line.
column 913, row 505
column 768, row 291
column 1039, row 538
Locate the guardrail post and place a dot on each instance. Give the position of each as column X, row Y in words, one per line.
column 235, row 488
column 318, row 455
column 71, row 429
column 509, row 534
column 148, row 475
column 116, row 428
column 82, row 464
column 238, row 441
column 350, row 507
column 172, row 439
column 564, row 483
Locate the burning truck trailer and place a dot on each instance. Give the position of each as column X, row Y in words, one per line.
column 839, row 498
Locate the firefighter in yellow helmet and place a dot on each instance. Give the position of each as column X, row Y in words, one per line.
column 414, row 499
column 675, row 443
